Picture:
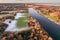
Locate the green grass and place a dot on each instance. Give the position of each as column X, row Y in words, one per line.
column 22, row 22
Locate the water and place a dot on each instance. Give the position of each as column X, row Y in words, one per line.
column 52, row 28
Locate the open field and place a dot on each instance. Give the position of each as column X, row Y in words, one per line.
column 22, row 22
column 3, row 14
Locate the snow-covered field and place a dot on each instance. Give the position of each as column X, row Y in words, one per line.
column 12, row 25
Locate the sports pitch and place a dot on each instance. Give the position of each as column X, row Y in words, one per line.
column 22, row 21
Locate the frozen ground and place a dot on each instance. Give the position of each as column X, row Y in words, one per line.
column 12, row 25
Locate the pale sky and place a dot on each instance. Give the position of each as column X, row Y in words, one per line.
column 29, row 1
